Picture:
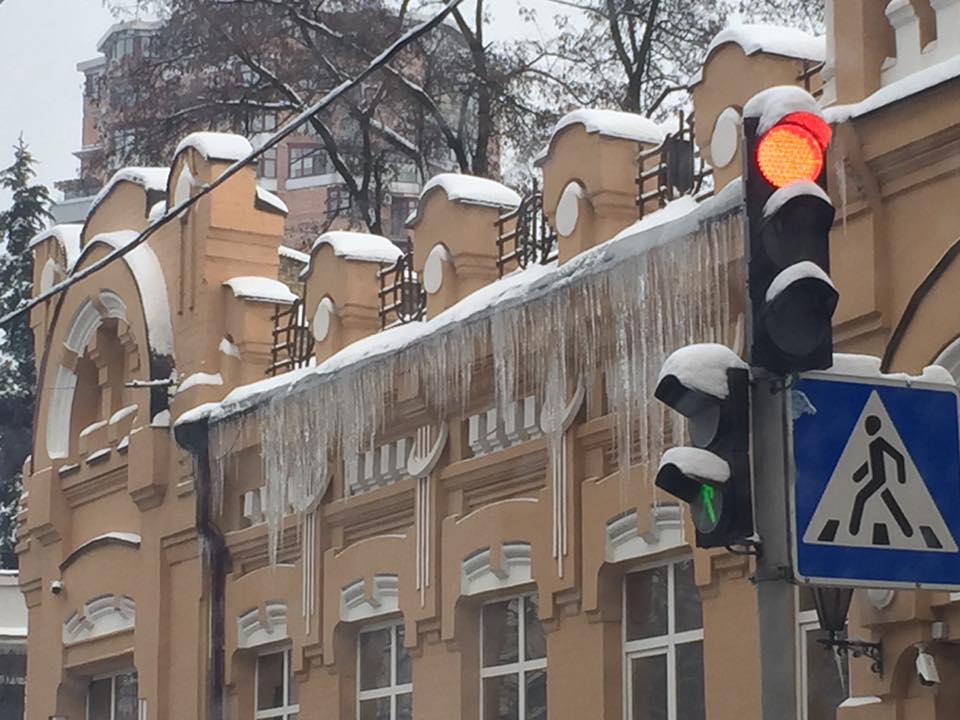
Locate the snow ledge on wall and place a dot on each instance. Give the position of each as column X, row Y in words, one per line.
column 216, row 146
column 470, row 190
column 260, row 289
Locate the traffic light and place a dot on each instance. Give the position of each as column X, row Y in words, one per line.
column 789, row 217
column 710, row 386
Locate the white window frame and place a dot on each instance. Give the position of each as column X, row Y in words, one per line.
column 112, row 676
column 282, row 712
column 519, row 668
column 393, row 690
column 665, row 645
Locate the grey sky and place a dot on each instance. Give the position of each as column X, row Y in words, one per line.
column 41, row 42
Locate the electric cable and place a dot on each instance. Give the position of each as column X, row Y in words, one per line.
column 376, row 64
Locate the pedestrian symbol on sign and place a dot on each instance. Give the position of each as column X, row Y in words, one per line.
column 876, row 497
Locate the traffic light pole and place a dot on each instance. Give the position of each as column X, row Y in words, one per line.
column 776, row 596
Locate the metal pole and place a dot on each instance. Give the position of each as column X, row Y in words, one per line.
column 776, row 596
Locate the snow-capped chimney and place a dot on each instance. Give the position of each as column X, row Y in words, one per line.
column 341, row 286
column 590, row 175
column 455, row 236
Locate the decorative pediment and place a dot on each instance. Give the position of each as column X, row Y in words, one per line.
column 103, row 615
column 383, row 598
column 262, row 625
column 482, row 572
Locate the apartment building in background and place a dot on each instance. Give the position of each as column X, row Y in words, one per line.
column 298, row 169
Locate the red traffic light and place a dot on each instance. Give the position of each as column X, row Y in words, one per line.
column 793, row 149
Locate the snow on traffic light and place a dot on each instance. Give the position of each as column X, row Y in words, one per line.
column 709, row 385
column 789, row 216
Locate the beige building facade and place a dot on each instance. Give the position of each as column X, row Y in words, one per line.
column 456, row 517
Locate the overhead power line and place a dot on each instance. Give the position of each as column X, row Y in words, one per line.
column 376, row 64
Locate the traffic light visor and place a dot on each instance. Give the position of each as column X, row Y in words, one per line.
column 793, row 149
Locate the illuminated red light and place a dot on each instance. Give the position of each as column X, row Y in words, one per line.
column 793, row 149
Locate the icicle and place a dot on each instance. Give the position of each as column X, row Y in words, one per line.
column 619, row 318
column 841, row 170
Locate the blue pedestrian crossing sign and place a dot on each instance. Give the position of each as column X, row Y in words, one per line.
column 876, row 482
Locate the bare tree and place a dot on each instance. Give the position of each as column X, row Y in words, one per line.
column 223, row 65
column 631, row 54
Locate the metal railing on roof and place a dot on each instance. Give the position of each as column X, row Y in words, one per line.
column 674, row 169
column 810, row 71
column 292, row 339
column 402, row 297
column 524, row 236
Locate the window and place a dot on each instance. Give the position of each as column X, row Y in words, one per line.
column 124, row 144
column 338, row 200
column 384, row 675
column 268, row 164
column 123, row 47
column 113, row 697
column 513, row 652
column 824, row 677
column 146, row 46
column 276, row 689
column 93, row 86
column 663, row 643
column 307, row 161
column 248, row 76
column 262, row 122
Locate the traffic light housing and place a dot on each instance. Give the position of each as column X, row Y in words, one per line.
column 789, row 217
column 710, row 386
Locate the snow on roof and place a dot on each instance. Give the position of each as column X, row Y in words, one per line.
column 697, row 463
column 470, row 190
column 795, row 189
column 216, row 146
column 151, row 179
column 148, row 274
column 359, row 246
column 771, row 39
column 291, row 254
column 613, row 123
column 260, row 289
column 774, row 104
column 199, row 378
column 901, row 89
column 681, row 219
column 265, row 196
column 702, row 367
column 67, row 237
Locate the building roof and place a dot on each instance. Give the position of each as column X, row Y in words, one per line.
column 138, row 26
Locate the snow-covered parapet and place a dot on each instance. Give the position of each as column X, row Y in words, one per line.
column 260, row 289
column 67, row 238
column 770, row 39
column 216, row 146
column 365, row 247
column 612, row 124
column 153, row 180
column 466, row 189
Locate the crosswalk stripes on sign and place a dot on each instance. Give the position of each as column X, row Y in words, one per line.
column 876, row 496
